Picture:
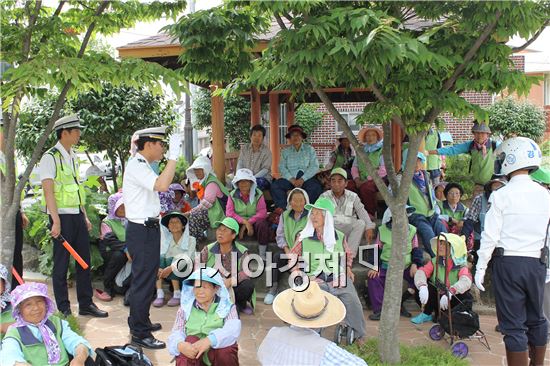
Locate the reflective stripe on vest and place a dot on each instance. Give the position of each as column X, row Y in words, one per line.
column 314, row 250
column 385, row 238
column 68, row 192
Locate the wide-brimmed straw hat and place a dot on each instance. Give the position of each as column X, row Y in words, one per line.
column 362, row 135
column 312, row 308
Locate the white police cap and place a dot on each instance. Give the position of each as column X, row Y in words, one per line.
column 153, row 133
column 71, row 121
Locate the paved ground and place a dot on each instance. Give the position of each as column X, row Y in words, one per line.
column 114, row 331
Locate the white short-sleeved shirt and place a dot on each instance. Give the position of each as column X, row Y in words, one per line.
column 140, row 199
column 47, row 170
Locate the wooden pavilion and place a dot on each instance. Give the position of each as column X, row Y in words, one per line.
column 165, row 50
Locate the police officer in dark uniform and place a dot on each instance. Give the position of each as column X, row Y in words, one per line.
column 140, row 193
column 64, row 198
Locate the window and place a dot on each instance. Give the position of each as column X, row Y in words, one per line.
column 350, row 118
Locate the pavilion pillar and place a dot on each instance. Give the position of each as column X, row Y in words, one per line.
column 255, row 107
column 218, row 146
column 274, row 133
column 397, row 142
column 290, row 113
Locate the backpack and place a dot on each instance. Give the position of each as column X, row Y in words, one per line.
column 127, row 355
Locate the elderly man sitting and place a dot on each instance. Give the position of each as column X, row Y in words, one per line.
column 299, row 344
column 298, row 166
column 350, row 215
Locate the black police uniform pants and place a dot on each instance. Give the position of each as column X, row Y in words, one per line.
column 518, row 283
column 18, row 250
column 143, row 245
column 74, row 230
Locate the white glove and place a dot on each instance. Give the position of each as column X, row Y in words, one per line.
column 423, row 295
column 480, row 274
column 444, row 301
column 174, row 146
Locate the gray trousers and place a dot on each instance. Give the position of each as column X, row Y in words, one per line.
column 354, row 233
column 354, row 310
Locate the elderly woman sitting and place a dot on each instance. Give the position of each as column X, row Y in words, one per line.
column 246, row 204
column 38, row 337
column 329, row 262
column 448, row 268
column 212, row 195
column 452, row 210
column 256, row 156
column 207, row 324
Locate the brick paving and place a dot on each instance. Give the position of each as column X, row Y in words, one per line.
column 114, row 331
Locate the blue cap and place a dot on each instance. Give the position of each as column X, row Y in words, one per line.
column 421, row 156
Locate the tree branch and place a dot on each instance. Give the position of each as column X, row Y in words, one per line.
column 353, row 140
column 434, row 112
column 533, row 39
column 280, row 22
column 378, row 94
column 58, row 105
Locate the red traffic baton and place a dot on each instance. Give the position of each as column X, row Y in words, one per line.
column 73, row 252
column 16, row 276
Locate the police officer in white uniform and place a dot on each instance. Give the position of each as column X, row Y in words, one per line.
column 514, row 233
column 140, row 189
column 64, row 198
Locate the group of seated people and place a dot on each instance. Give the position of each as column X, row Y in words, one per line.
column 318, row 234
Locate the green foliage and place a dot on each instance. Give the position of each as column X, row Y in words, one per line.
column 509, row 117
column 410, row 355
column 236, row 116
column 308, row 117
column 38, row 234
column 458, row 167
column 34, row 117
column 73, row 322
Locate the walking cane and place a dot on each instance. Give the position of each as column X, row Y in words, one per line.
column 73, row 252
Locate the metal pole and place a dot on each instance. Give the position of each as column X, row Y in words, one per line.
column 188, row 126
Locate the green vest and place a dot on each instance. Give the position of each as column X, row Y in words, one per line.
column 201, row 323
column 453, row 274
column 385, row 238
column 68, row 192
column 241, row 249
column 6, row 317
column 423, row 205
column 374, row 158
column 482, row 168
column 457, row 215
column 314, row 250
column 433, row 161
column 339, row 160
column 292, row 227
column 216, row 212
column 34, row 351
column 245, row 210
column 117, row 227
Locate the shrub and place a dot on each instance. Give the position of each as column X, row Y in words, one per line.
column 308, row 117
column 508, row 117
column 457, row 171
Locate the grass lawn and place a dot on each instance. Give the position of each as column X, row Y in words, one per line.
column 421, row 355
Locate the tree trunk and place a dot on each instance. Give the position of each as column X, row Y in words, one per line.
column 112, row 157
column 388, row 335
